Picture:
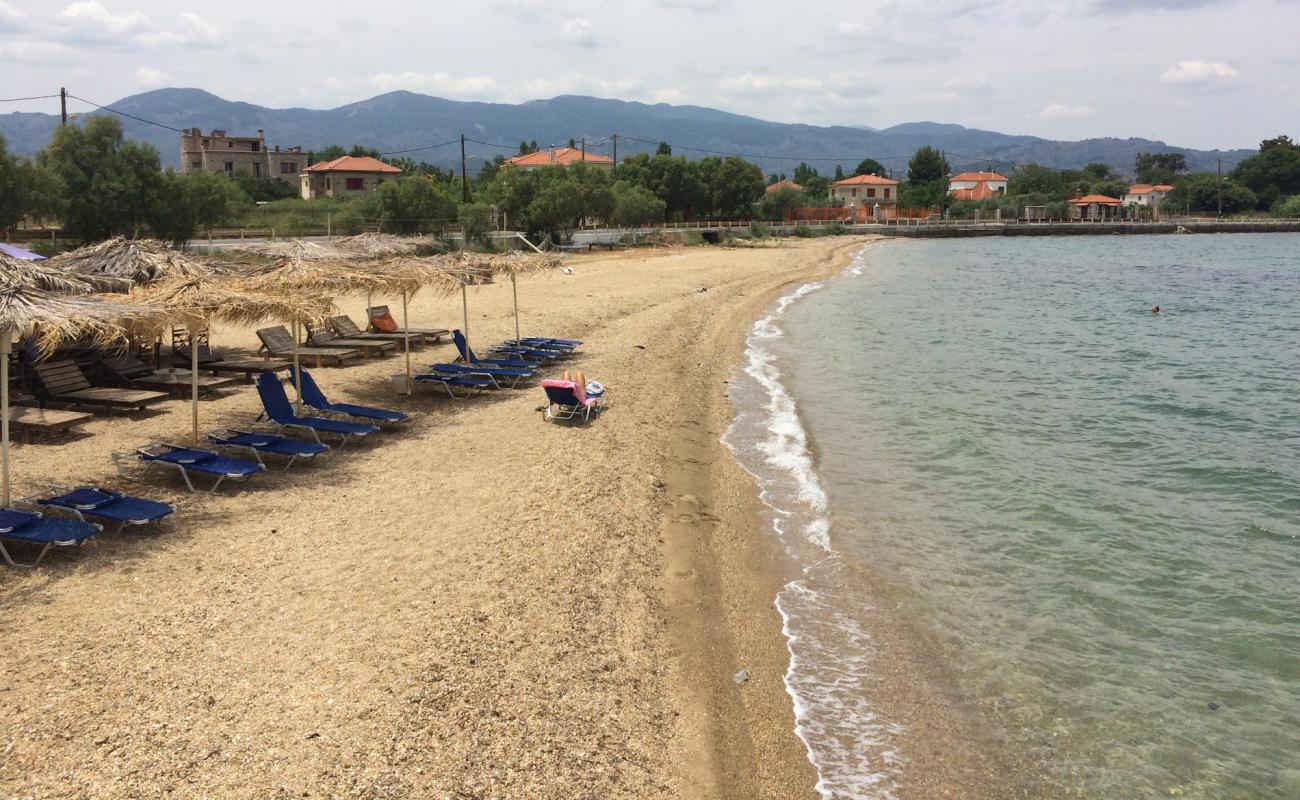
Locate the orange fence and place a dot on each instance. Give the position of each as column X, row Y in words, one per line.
column 864, row 215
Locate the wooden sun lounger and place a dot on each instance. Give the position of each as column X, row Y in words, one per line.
column 64, row 382
column 215, row 363
column 279, row 342
column 435, row 334
column 137, row 372
column 368, row 347
column 345, row 327
column 44, row 420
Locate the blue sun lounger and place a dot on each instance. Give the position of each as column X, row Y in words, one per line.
column 540, row 343
column 189, row 459
column 105, row 505
column 314, row 397
column 258, row 443
column 33, row 527
column 277, row 409
column 467, row 356
column 499, row 376
column 469, row 385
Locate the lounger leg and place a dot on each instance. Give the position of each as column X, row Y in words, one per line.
column 184, row 474
column 213, row 490
column 290, row 464
column 41, row 557
column 9, row 559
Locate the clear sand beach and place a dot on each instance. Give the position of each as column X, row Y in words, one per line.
column 479, row 605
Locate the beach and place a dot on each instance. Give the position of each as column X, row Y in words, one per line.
column 477, row 604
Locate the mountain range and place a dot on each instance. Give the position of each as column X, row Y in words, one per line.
column 403, row 121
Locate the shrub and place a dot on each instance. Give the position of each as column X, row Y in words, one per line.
column 835, row 228
column 692, row 238
column 759, row 230
column 803, row 231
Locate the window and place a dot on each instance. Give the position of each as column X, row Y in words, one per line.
column 230, row 166
column 231, row 145
column 254, row 146
column 257, row 170
column 886, row 194
column 196, row 165
column 871, row 192
column 288, row 168
column 328, row 184
column 853, row 192
column 356, row 184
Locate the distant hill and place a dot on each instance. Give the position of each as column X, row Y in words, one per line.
column 405, row 120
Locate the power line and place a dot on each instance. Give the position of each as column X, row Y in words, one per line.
column 21, row 99
column 418, row 149
column 124, row 114
column 491, row 144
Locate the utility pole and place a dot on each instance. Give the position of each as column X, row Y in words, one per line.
column 614, row 138
column 1220, row 182
column 464, row 186
column 584, row 149
column 63, row 104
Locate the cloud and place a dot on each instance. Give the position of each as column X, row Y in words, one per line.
column 192, row 31
column 94, row 21
column 1127, row 6
column 750, row 83
column 670, row 94
column 36, row 52
column 580, row 33
column 698, row 6
column 851, row 30
column 1200, row 73
column 968, row 86
column 435, row 82
column 11, row 18
column 151, row 78
column 1064, row 111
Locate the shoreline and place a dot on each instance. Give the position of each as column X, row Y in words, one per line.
column 478, row 603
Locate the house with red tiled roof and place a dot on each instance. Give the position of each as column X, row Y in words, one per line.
column 866, row 192
column 784, row 183
column 1094, row 206
column 1146, row 194
column 348, row 176
column 977, row 185
column 560, row 157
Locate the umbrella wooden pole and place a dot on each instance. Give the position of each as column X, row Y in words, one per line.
column 514, row 289
column 406, row 326
column 194, row 385
column 297, row 365
column 5, row 347
column 464, row 308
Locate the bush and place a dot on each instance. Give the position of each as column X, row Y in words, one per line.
column 476, row 223
column 692, row 238
column 1288, row 207
column 835, row 228
column 759, row 230
column 803, row 231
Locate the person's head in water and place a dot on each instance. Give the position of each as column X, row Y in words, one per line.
column 1155, row 309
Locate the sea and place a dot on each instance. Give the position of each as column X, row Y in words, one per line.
column 1094, row 509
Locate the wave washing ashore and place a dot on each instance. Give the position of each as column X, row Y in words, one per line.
column 1088, row 512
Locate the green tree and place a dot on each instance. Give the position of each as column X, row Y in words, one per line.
column 263, row 190
column 44, row 192
column 1272, row 173
column 13, row 189
column 326, row 154
column 927, row 180
column 664, row 149
column 776, row 204
column 489, row 169
column 1159, row 168
column 1098, row 172
column 557, row 206
column 187, row 204
column 110, row 183
column 736, row 186
column 839, row 172
column 804, row 173
column 359, row 151
column 1200, row 192
column 870, row 166
column 476, row 223
column 572, row 143
column 635, row 206
column 411, row 204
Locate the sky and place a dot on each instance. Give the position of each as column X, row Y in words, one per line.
column 1195, row 73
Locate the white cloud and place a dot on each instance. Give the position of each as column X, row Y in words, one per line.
column 192, row 31
column 1200, row 73
column 95, row 21
column 671, row 94
column 750, row 83
column 151, row 78
column 36, row 52
column 701, row 6
column 440, row 83
column 1065, row 111
column 580, row 32
column 851, row 30
column 11, row 18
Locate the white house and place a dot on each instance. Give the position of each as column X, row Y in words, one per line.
column 1145, row 194
column 977, row 185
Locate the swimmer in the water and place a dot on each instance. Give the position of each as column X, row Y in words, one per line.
column 1155, row 309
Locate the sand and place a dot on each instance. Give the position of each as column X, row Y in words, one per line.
column 477, row 605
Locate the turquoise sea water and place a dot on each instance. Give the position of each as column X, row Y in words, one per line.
column 1096, row 509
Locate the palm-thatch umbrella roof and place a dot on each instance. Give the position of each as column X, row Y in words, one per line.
column 199, row 300
column 472, row 268
column 26, row 309
column 42, row 275
column 387, row 245
column 300, row 250
column 142, row 261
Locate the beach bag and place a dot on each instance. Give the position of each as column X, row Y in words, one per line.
column 384, row 323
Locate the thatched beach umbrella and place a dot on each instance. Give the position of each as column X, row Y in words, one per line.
column 310, row 269
column 45, row 276
column 198, row 301
column 516, row 263
column 409, row 275
column 27, row 310
column 475, row 268
column 141, row 261
column 388, row 245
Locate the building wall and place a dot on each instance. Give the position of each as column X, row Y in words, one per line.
column 997, row 186
column 341, row 184
column 217, row 152
column 866, row 196
column 1147, row 199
